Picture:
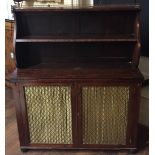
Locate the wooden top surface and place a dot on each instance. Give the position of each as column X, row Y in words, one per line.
column 77, row 8
column 42, row 72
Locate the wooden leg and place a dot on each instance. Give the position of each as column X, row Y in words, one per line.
column 24, row 150
column 133, row 151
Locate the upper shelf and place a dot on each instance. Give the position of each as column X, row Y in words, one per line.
column 118, row 38
column 85, row 26
column 46, row 35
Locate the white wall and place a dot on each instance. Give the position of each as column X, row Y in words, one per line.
column 8, row 14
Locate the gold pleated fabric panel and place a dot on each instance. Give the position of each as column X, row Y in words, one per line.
column 105, row 115
column 49, row 114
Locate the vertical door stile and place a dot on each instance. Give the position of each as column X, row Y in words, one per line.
column 133, row 115
column 74, row 111
column 76, row 118
column 24, row 115
column 128, row 136
column 79, row 114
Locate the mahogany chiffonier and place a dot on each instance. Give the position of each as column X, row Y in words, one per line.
column 77, row 82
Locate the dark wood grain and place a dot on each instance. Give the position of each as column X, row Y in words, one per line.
column 77, row 73
column 136, row 53
column 76, row 25
column 19, row 114
column 12, row 142
column 89, row 8
column 77, row 35
column 79, row 115
column 96, row 46
column 25, row 124
column 75, row 115
column 134, row 113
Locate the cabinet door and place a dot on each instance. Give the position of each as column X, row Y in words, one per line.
column 105, row 116
column 46, row 115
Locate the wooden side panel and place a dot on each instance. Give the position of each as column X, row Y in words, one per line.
column 136, row 52
column 21, row 115
column 133, row 114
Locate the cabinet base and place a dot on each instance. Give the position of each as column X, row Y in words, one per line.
column 28, row 148
column 24, row 150
column 133, row 151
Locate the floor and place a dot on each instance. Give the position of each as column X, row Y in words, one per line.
column 12, row 142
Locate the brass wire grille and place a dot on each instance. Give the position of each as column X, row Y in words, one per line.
column 104, row 115
column 49, row 114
